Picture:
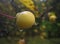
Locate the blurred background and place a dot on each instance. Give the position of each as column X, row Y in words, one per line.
column 46, row 29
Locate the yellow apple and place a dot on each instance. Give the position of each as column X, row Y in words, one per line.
column 25, row 19
column 42, row 28
column 52, row 18
column 42, row 37
column 43, row 33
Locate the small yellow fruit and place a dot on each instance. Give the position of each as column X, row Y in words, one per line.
column 42, row 28
column 25, row 19
column 36, row 30
column 52, row 18
column 44, row 34
column 42, row 37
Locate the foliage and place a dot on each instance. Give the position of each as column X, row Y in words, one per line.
column 40, row 10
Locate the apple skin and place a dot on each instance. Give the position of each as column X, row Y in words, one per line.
column 25, row 19
column 52, row 18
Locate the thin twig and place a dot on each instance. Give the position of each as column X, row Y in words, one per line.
column 6, row 15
